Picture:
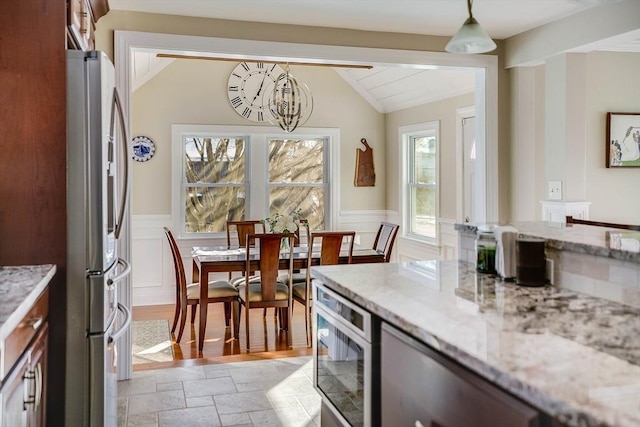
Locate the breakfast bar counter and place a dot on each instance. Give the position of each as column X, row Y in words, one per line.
column 573, row 356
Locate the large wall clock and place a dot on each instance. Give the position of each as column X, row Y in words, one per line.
column 249, row 89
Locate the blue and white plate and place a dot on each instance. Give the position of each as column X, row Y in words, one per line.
column 143, row 148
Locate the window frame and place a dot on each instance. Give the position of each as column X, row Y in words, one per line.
column 257, row 154
column 407, row 134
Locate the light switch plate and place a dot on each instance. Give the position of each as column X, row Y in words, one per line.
column 555, row 190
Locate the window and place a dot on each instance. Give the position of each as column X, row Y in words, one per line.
column 214, row 182
column 297, row 178
column 225, row 173
column 421, row 172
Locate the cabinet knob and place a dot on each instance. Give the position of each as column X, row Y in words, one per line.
column 35, row 322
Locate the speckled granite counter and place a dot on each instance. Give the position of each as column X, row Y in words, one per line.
column 19, row 288
column 573, row 356
column 579, row 238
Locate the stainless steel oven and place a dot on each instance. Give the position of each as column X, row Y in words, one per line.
column 346, row 358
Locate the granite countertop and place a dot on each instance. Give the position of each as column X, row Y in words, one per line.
column 19, row 289
column 607, row 242
column 575, row 357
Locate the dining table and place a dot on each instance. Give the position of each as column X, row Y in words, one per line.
column 222, row 259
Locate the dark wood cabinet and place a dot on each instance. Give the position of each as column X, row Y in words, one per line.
column 82, row 16
column 420, row 387
column 23, row 393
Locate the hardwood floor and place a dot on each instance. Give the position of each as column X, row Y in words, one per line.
column 266, row 339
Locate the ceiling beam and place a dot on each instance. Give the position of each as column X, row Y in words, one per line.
column 214, row 58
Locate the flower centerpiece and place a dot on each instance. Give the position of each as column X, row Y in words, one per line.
column 279, row 223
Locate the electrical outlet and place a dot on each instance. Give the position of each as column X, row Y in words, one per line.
column 555, row 190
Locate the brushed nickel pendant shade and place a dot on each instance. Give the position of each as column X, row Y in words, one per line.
column 470, row 38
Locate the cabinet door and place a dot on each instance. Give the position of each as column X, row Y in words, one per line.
column 23, row 397
column 12, row 396
column 37, row 374
column 420, row 387
column 80, row 24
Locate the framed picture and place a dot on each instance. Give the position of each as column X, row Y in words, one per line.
column 623, row 140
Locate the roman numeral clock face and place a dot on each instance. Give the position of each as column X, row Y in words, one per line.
column 249, row 87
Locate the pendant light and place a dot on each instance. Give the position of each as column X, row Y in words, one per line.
column 470, row 38
column 290, row 103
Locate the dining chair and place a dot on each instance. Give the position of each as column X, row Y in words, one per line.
column 330, row 248
column 267, row 291
column 301, row 234
column 385, row 239
column 189, row 294
column 240, row 230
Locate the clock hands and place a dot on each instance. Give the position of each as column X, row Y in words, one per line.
column 260, row 88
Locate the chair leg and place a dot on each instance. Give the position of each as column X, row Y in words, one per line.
column 246, row 324
column 193, row 313
column 289, row 311
column 183, row 320
column 176, row 316
column 227, row 312
column 235, row 308
column 307, row 324
column 264, row 313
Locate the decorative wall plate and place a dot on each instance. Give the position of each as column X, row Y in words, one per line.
column 143, row 148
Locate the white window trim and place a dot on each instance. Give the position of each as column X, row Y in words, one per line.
column 404, row 133
column 257, row 137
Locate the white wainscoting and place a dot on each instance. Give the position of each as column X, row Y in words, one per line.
column 408, row 249
column 152, row 264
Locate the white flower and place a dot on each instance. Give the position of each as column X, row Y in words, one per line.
column 285, row 224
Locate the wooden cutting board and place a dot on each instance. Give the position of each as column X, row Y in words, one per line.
column 365, row 173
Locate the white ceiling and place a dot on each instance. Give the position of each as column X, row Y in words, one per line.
column 500, row 18
column 387, row 89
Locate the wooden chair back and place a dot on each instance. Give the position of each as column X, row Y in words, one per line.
column 302, row 231
column 181, row 277
column 242, row 229
column 331, row 245
column 572, row 220
column 269, row 261
column 385, row 239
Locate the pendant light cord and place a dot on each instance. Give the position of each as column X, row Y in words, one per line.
column 469, row 5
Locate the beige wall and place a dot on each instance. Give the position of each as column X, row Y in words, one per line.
column 444, row 112
column 192, row 91
column 606, row 82
column 612, row 85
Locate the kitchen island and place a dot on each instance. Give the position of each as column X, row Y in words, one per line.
column 572, row 356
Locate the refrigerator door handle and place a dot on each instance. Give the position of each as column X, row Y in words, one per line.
column 124, row 273
column 125, row 146
column 125, row 325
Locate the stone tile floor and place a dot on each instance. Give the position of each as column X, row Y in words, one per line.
column 276, row 392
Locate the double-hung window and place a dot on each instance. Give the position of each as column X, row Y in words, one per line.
column 223, row 173
column 421, row 178
column 214, row 184
column 297, row 178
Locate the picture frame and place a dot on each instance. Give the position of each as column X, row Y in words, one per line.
column 623, row 140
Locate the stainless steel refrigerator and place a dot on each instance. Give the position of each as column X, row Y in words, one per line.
column 97, row 185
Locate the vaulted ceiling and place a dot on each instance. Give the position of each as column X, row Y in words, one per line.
column 386, row 89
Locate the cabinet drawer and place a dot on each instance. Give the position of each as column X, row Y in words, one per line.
column 17, row 341
column 421, row 387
